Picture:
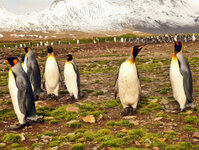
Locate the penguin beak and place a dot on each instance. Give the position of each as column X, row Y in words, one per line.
column 141, row 47
column 5, row 60
column 176, row 43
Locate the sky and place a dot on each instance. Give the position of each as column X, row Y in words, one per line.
column 23, row 6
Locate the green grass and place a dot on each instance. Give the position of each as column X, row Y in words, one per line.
column 121, row 123
column 7, row 114
column 74, row 125
column 78, row 146
column 188, row 127
column 11, row 138
column 97, row 93
column 163, row 115
column 191, row 119
column 111, row 103
column 49, row 133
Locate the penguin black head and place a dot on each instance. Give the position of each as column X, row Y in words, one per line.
column 50, row 49
column 12, row 60
column 178, row 47
column 69, row 57
column 26, row 49
column 136, row 50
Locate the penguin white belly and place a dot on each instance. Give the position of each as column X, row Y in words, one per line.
column 51, row 75
column 25, row 64
column 70, row 78
column 177, row 84
column 14, row 96
column 128, row 84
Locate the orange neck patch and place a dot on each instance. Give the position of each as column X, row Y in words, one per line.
column 132, row 60
column 174, row 56
column 15, row 61
column 50, row 55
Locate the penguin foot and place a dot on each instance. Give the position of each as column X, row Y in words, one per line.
column 53, row 96
column 49, row 96
column 18, row 126
column 126, row 111
column 38, row 119
column 132, row 111
column 36, row 97
column 71, row 100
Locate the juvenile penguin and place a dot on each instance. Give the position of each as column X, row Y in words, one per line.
column 127, row 83
column 21, row 93
column 51, row 74
column 31, row 67
column 181, row 78
column 71, row 77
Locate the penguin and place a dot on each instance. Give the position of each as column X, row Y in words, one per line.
column 51, row 74
column 22, row 61
column 127, row 83
column 71, row 78
column 181, row 78
column 31, row 67
column 21, row 94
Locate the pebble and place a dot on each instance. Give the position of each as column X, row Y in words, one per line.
column 73, row 121
column 54, row 148
column 137, row 143
column 72, row 108
column 135, row 122
column 94, row 148
column 129, row 117
column 89, row 119
column 34, row 140
column 164, row 102
column 158, row 118
column 196, row 135
column 22, row 137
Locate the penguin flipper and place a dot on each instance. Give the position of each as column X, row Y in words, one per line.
column 21, row 95
column 77, row 73
column 116, row 84
column 43, row 78
column 187, row 80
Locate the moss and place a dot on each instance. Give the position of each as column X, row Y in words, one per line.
column 185, row 145
column 191, row 119
column 164, row 90
column 87, row 91
column 11, row 138
column 80, row 131
column 6, row 102
column 136, row 134
column 171, row 135
column 54, row 143
column 74, row 125
column 49, row 133
column 78, row 146
column 98, row 82
column 14, row 145
column 44, row 111
column 163, row 115
column 111, row 142
column 189, row 128
column 51, row 122
column 111, row 103
column 103, row 132
column 36, row 145
column 145, row 79
column 97, row 93
column 122, row 123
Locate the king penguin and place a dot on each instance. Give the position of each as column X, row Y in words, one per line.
column 51, row 74
column 31, row 67
column 127, row 83
column 21, row 93
column 181, row 78
column 71, row 77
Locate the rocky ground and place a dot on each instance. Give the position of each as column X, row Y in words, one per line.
column 94, row 122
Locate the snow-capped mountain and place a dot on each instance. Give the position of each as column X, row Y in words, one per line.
column 94, row 15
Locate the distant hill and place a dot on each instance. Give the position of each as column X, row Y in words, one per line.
column 102, row 15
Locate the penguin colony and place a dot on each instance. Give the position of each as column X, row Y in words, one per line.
column 25, row 82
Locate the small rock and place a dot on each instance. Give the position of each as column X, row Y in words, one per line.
column 104, row 90
column 89, row 118
column 22, row 137
column 71, row 134
column 54, row 148
column 94, row 148
column 100, row 117
column 156, row 148
column 175, row 124
column 154, row 101
column 135, row 122
column 137, row 143
column 34, row 140
column 196, row 140
column 166, row 106
column 73, row 121
column 189, row 112
column 48, row 118
column 72, row 108
column 158, row 118
column 164, row 102
column 196, row 135
column 2, row 144
column 129, row 117
column 124, row 130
